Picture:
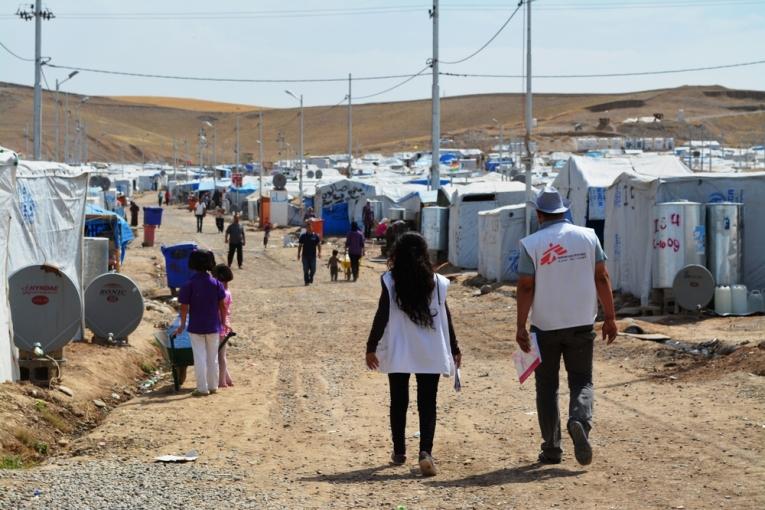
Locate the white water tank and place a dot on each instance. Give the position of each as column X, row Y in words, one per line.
column 95, row 259
column 679, row 239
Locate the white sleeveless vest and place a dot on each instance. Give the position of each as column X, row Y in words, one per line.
column 412, row 349
column 564, row 279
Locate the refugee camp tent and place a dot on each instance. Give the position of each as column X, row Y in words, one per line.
column 466, row 203
column 499, row 233
column 629, row 234
column 340, row 202
column 48, row 217
column 8, row 353
column 584, row 180
column 102, row 223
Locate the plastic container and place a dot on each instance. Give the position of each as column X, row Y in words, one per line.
column 177, row 263
column 723, row 300
column 152, row 216
column 148, row 235
column 740, row 306
column 756, row 302
column 316, row 225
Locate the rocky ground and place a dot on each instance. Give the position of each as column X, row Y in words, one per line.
column 306, row 425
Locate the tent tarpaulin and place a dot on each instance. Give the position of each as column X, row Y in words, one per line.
column 98, row 221
column 348, row 194
column 628, row 234
column 500, row 231
column 466, row 203
column 48, row 217
column 8, row 352
column 583, row 180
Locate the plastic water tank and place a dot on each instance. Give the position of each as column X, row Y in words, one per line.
column 723, row 300
column 739, row 299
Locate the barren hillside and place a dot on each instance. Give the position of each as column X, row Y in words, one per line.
column 132, row 128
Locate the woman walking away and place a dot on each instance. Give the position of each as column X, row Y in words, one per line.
column 134, row 209
column 203, row 301
column 223, row 274
column 354, row 243
column 412, row 333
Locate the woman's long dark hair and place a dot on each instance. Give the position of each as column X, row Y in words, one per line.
column 413, row 277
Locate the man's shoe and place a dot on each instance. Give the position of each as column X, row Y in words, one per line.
column 427, row 464
column 545, row 458
column 398, row 459
column 582, row 448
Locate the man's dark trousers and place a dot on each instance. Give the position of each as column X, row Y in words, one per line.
column 235, row 247
column 309, row 269
column 575, row 346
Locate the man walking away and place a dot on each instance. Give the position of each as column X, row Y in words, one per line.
column 562, row 276
column 160, row 196
column 199, row 212
column 309, row 244
column 368, row 217
column 354, row 243
column 235, row 240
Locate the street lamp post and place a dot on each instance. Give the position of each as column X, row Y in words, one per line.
column 58, row 110
column 501, row 145
column 80, row 128
column 300, row 167
column 215, row 180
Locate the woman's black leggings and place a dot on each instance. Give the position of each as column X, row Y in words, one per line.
column 427, row 390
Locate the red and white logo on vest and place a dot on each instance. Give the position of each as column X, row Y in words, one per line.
column 552, row 254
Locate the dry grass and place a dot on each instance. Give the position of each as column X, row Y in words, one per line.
column 129, row 128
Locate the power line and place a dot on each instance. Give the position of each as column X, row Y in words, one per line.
column 479, row 50
column 609, row 75
column 15, row 54
column 410, row 78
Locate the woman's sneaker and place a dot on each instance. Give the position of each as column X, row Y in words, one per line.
column 427, row 464
column 398, row 459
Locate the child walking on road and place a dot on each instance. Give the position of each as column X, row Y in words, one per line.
column 334, row 266
column 224, row 275
column 203, row 302
column 412, row 333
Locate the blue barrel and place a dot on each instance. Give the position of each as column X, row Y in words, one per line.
column 177, row 263
column 152, row 215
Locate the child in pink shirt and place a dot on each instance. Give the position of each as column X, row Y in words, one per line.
column 224, row 275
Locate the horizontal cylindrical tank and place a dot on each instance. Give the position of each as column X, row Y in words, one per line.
column 679, row 239
column 724, row 229
column 434, row 226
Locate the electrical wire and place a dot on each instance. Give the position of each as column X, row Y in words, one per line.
column 496, row 34
column 608, row 75
column 6, row 48
column 410, row 78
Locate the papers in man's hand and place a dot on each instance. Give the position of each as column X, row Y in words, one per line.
column 457, row 380
column 526, row 362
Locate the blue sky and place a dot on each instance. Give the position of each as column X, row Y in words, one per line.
column 247, row 39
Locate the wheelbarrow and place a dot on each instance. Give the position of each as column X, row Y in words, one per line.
column 179, row 355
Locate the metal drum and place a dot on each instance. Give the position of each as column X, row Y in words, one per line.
column 724, row 225
column 95, row 259
column 679, row 239
column 396, row 213
column 435, row 227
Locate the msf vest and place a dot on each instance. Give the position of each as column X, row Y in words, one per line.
column 564, row 280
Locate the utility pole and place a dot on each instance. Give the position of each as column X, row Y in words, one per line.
column 435, row 165
column 26, row 141
column 175, row 161
column 350, row 128
column 58, row 121
column 260, row 154
column 529, row 116
column 501, row 146
column 38, row 15
column 237, row 143
column 300, row 168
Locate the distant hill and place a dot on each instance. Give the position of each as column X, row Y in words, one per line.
column 132, row 128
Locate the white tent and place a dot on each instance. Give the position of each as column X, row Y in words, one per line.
column 499, row 232
column 628, row 231
column 8, row 352
column 48, row 217
column 466, row 203
column 583, row 181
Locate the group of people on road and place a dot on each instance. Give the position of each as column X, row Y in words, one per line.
column 562, row 278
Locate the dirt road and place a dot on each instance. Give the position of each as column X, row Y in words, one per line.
column 306, row 425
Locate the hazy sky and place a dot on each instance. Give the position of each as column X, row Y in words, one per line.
column 330, row 38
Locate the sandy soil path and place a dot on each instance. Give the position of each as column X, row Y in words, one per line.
column 307, row 424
